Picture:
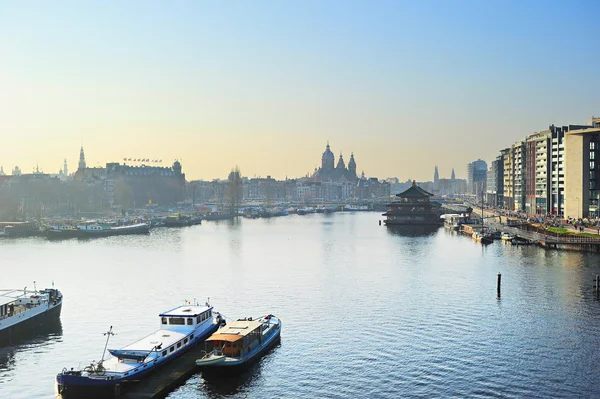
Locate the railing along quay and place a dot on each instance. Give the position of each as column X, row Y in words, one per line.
column 545, row 238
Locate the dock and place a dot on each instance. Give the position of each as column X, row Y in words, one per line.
column 167, row 378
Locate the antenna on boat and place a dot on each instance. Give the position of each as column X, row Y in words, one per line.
column 34, row 287
column 208, row 302
column 108, row 334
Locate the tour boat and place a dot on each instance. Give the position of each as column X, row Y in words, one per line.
column 24, row 311
column 181, row 329
column 240, row 342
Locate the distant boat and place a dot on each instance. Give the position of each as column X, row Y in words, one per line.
column 93, row 230
column 218, row 216
column 22, row 310
column 306, row 210
column 240, row 342
column 355, row 208
column 182, row 328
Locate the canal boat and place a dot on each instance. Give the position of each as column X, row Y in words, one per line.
column 94, row 229
column 24, row 311
column 506, row 237
column 239, row 343
column 181, row 329
column 483, row 238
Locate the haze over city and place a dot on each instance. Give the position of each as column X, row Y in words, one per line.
column 264, row 86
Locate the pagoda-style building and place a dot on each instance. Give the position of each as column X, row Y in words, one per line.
column 413, row 207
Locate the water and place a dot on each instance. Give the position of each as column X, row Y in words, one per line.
column 366, row 313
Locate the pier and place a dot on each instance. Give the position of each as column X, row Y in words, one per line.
column 167, row 378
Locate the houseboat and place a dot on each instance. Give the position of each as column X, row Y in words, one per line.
column 239, row 343
column 95, row 229
column 24, row 311
column 181, row 329
column 413, row 207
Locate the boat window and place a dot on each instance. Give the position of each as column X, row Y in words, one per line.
column 192, row 336
column 164, row 320
column 164, row 353
column 171, row 349
column 180, row 321
column 209, row 313
column 190, row 321
column 198, row 320
column 185, row 341
column 178, row 345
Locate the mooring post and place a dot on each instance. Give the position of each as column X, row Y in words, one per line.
column 597, row 287
column 499, row 283
column 380, row 222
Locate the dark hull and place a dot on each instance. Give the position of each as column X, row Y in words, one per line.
column 58, row 234
column 31, row 327
column 70, row 386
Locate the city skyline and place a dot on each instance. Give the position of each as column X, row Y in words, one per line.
column 264, row 87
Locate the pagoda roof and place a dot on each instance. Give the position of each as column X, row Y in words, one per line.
column 414, row 192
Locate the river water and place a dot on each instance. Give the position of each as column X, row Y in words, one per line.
column 367, row 312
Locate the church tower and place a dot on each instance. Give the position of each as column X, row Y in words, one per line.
column 65, row 171
column 453, row 177
column 81, row 159
column 352, row 165
column 341, row 164
column 328, row 158
column 436, row 177
column 1, row 171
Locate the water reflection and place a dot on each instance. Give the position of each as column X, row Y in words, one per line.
column 413, row 231
column 31, row 339
column 223, row 384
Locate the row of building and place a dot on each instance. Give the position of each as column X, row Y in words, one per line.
column 554, row 171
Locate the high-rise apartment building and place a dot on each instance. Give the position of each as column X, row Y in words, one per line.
column 477, row 178
column 519, row 168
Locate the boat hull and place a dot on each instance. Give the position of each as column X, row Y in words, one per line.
column 73, row 385
column 58, row 234
column 31, row 326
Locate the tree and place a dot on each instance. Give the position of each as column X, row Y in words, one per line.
column 234, row 190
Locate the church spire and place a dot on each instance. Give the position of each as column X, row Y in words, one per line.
column 81, row 159
column 453, row 176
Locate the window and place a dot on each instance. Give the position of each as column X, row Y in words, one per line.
column 198, row 319
column 190, row 321
column 178, row 345
column 191, row 336
column 164, row 353
column 171, row 349
column 185, row 341
column 164, row 320
column 180, row 321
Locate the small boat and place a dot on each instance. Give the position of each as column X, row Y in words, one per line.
column 306, row 210
column 240, row 342
column 482, row 238
column 507, row 237
column 22, row 310
column 181, row 329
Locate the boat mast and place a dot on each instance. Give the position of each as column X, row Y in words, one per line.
column 108, row 334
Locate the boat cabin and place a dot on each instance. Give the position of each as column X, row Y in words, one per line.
column 237, row 338
column 185, row 317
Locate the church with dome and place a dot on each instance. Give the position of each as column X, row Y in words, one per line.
column 329, row 171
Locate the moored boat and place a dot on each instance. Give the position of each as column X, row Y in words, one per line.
column 91, row 230
column 22, row 310
column 240, row 342
column 181, row 329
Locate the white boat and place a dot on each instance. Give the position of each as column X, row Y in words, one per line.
column 181, row 329
column 355, row 208
column 240, row 342
column 23, row 311
column 507, row 237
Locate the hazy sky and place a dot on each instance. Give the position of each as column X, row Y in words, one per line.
column 264, row 85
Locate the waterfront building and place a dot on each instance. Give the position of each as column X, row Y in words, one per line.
column 508, row 180
column 519, row 169
column 477, row 178
column 412, row 207
column 582, row 171
column 495, row 181
column 537, row 185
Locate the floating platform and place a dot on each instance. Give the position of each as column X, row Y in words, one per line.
column 167, row 378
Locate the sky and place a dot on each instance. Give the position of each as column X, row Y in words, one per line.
column 263, row 85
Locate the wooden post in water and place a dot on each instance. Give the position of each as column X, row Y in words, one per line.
column 499, row 283
column 597, row 285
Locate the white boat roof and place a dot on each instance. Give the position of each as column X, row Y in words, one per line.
column 186, row 311
column 164, row 337
column 8, row 296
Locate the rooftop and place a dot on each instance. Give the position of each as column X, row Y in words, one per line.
column 186, row 311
